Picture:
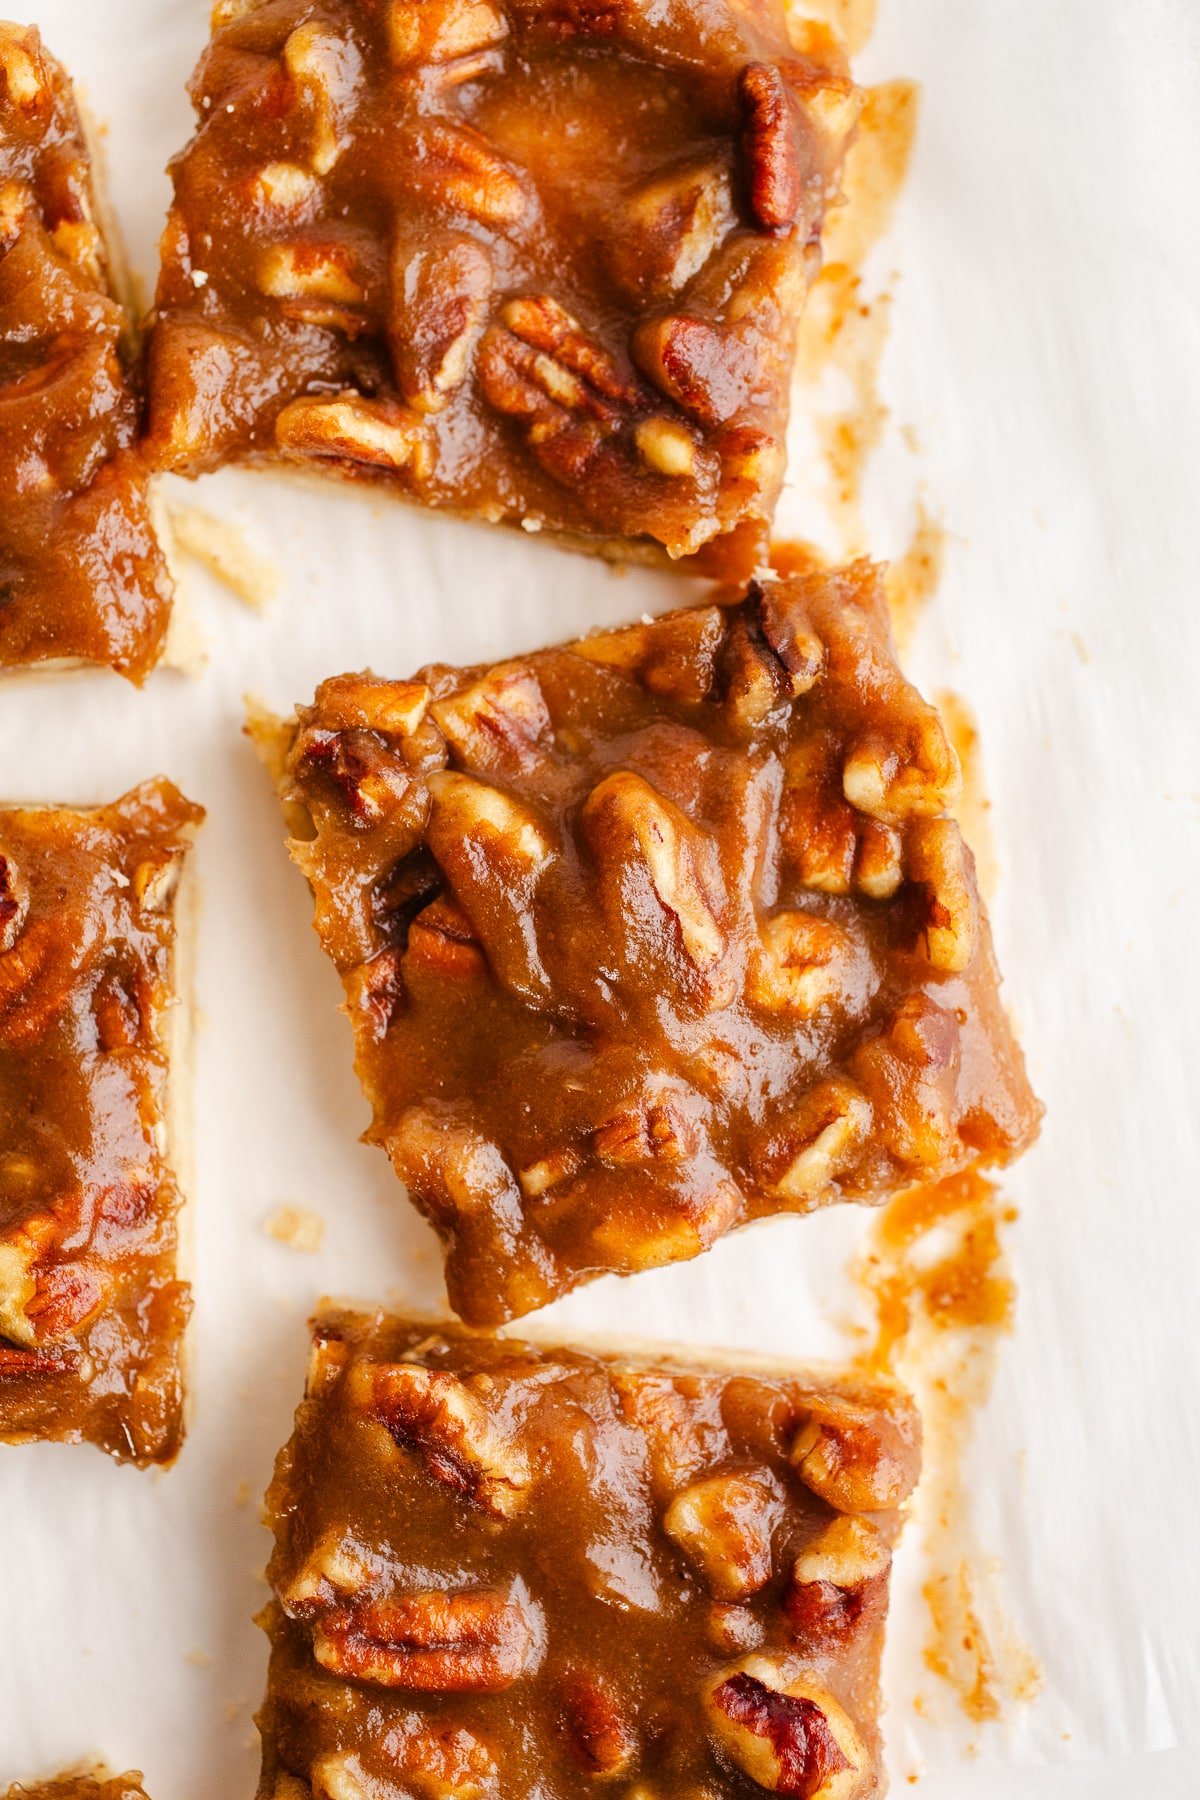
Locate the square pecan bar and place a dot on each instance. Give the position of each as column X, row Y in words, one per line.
column 82, row 576
column 524, row 260
column 91, row 1307
column 654, row 934
column 506, row 1570
column 97, row 1784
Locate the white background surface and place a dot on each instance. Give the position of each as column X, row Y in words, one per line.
column 1046, row 345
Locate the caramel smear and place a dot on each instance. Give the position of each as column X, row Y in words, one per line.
column 974, row 809
column 797, row 557
column 937, row 1277
column 846, row 323
column 915, row 576
column 224, row 551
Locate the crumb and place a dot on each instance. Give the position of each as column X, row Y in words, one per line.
column 241, row 1493
column 221, row 547
column 297, row 1228
column 199, row 1659
column 233, row 1709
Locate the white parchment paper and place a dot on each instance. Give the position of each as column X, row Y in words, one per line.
column 1046, row 349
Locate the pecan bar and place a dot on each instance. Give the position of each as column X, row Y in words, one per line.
column 98, row 1785
column 91, row 1308
column 82, row 577
column 654, row 934
column 504, row 1570
column 527, row 261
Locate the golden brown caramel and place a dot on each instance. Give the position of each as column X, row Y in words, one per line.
column 91, row 1307
column 526, row 261
column 653, row 934
column 82, row 577
column 502, row 1569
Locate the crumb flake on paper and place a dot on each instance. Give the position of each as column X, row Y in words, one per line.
column 296, row 1227
column 223, row 549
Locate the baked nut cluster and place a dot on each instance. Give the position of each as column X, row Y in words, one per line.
column 503, row 1570
column 528, row 261
column 82, row 577
column 654, row 934
column 91, row 1307
column 98, row 1785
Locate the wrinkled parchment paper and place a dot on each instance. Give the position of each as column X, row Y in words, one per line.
column 1045, row 357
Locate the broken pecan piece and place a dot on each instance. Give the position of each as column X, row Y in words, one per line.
column 725, row 1524
column 836, row 1581
column 859, row 1457
column 439, row 1416
column 439, row 295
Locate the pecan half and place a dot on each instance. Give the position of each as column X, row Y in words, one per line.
column 785, row 1732
column 457, row 170
column 725, row 1525
column 478, row 1640
column 367, row 702
column 602, row 1739
column 315, row 282
column 768, row 144
column 441, row 1763
column 673, row 659
column 437, row 1415
column 284, row 187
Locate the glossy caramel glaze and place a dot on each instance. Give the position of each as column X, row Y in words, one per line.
column 91, row 1307
column 506, row 1570
column 654, row 934
column 531, row 262
column 81, row 573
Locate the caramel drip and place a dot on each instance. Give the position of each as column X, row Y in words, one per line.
column 937, row 1278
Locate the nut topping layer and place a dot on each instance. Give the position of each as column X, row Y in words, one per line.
column 654, row 934
column 633, row 1625
column 81, row 573
column 91, row 1308
column 533, row 263
column 97, row 1786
